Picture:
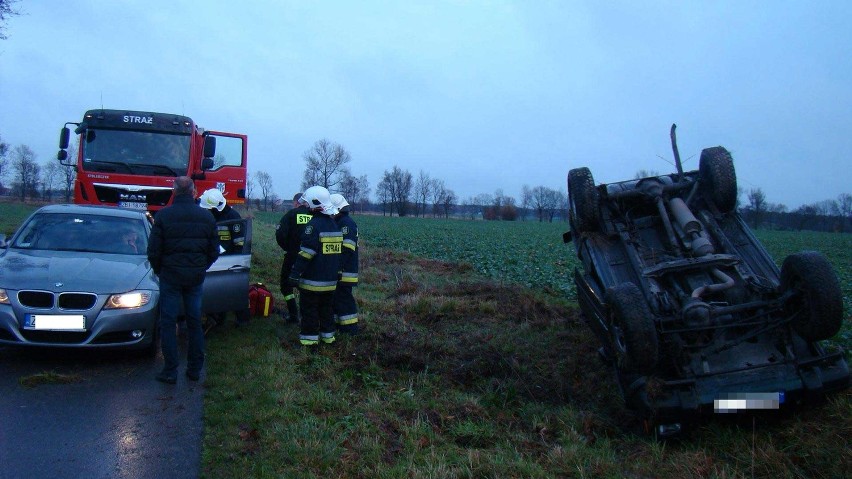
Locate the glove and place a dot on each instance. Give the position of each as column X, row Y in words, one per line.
column 293, row 281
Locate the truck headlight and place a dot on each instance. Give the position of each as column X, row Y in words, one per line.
column 4, row 297
column 133, row 299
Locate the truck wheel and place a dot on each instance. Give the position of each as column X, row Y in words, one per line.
column 718, row 178
column 633, row 331
column 583, row 201
column 818, row 302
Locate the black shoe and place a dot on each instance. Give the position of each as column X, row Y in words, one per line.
column 194, row 376
column 165, row 378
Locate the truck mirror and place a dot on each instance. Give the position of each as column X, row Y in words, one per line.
column 64, row 136
column 206, row 163
column 62, row 155
column 209, row 147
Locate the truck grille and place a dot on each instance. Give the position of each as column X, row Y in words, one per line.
column 108, row 194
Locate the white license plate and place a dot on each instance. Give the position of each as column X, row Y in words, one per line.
column 134, row 205
column 56, row 322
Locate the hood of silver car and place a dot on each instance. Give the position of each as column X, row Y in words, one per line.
column 74, row 271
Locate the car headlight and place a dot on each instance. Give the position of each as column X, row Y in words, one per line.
column 4, row 297
column 133, row 299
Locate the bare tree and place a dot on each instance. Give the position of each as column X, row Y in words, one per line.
column 526, row 200
column 757, row 207
column 249, row 191
column 422, row 191
column 546, row 202
column 438, row 191
column 383, row 194
column 6, row 11
column 396, row 187
column 355, row 190
column 4, row 152
column 51, row 175
column 448, row 200
column 26, row 171
column 844, row 204
column 68, row 174
column 325, row 165
column 264, row 182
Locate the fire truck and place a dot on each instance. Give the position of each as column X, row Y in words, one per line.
column 130, row 159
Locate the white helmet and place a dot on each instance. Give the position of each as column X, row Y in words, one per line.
column 318, row 197
column 339, row 201
column 212, row 198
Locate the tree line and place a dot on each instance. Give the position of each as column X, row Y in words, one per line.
column 23, row 177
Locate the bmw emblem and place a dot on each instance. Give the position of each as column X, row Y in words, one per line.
column 59, row 285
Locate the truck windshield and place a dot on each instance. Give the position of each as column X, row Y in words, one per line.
column 135, row 152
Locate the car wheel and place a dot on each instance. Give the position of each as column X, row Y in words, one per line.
column 583, row 201
column 718, row 178
column 633, row 331
column 817, row 305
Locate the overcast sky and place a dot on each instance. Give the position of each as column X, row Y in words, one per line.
column 481, row 94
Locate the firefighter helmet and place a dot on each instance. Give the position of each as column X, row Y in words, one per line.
column 212, row 198
column 318, row 197
column 339, row 201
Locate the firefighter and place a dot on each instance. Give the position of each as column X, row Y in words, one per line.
column 345, row 308
column 213, row 201
column 288, row 235
column 316, row 267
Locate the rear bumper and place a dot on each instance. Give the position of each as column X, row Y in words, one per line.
column 795, row 384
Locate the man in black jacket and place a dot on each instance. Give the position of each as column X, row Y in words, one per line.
column 182, row 246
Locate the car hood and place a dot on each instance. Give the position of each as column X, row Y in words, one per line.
column 74, row 271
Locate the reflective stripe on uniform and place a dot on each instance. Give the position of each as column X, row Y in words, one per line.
column 309, row 339
column 349, row 277
column 348, row 243
column 347, row 319
column 327, row 338
column 289, row 297
column 307, row 253
column 320, row 286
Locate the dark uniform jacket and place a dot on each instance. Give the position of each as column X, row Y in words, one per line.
column 183, row 242
column 318, row 261
column 289, row 231
column 349, row 259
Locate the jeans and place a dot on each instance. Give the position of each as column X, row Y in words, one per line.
column 172, row 298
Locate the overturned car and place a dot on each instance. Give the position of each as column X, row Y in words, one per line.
column 690, row 308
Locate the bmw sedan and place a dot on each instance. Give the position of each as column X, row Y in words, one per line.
column 78, row 276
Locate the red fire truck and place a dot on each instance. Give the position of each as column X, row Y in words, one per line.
column 130, row 159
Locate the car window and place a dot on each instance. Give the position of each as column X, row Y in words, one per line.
column 84, row 232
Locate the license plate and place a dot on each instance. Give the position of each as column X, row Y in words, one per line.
column 134, row 205
column 734, row 402
column 56, row 322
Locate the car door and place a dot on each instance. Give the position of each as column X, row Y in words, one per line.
column 227, row 281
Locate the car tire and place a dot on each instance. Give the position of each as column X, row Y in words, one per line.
column 583, row 201
column 633, row 332
column 717, row 178
column 817, row 304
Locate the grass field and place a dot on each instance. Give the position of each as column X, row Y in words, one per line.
column 473, row 363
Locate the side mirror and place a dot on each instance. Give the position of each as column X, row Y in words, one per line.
column 206, row 163
column 209, row 147
column 62, row 155
column 64, row 136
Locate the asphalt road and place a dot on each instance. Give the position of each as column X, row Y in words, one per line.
column 102, row 416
